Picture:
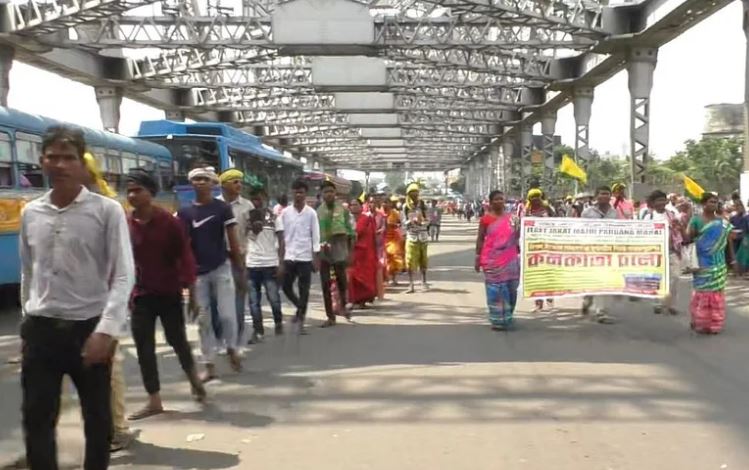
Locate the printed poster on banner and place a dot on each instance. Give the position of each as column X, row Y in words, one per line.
column 575, row 257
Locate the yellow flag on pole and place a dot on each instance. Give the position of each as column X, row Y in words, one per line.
column 570, row 168
column 694, row 191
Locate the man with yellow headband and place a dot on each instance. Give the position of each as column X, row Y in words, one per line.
column 414, row 219
column 231, row 193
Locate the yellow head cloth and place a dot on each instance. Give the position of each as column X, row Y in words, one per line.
column 617, row 187
column 93, row 171
column 535, row 192
column 412, row 187
column 229, row 175
column 394, row 198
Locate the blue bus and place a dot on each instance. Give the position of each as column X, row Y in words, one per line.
column 222, row 147
column 21, row 177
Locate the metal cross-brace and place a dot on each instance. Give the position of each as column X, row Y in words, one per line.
column 485, row 59
column 548, row 126
column 46, row 17
column 570, row 16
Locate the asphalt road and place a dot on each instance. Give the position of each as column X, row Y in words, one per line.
column 421, row 382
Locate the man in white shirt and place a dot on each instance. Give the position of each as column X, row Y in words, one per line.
column 302, row 250
column 265, row 249
column 658, row 211
column 76, row 276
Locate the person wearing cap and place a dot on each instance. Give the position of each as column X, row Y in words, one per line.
column 625, row 208
column 210, row 223
column 164, row 265
column 76, row 276
column 231, row 193
column 336, row 247
column 415, row 221
column 537, row 206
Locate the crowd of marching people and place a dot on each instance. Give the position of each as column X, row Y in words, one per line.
column 706, row 238
column 88, row 266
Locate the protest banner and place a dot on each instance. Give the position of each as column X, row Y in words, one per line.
column 575, row 257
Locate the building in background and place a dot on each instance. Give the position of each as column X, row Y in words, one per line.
column 724, row 120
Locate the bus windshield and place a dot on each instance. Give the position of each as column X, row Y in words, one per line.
column 189, row 152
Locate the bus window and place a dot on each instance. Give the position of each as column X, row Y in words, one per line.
column 167, row 176
column 189, row 152
column 253, row 167
column 6, row 162
column 146, row 162
column 28, row 150
column 100, row 155
column 114, row 168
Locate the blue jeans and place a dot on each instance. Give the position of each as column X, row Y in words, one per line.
column 221, row 283
column 257, row 279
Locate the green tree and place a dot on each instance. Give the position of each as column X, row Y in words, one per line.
column 459, row 185
column 715, row 163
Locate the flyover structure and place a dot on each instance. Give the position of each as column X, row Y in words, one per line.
column 372, row 85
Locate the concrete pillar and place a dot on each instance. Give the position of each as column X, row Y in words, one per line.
column 174, row 115
column 583, row 103
column 548, row 126
column 6, row 63
column 109, row 99
column 526, row 147
column 745, row 174
column 640, row 67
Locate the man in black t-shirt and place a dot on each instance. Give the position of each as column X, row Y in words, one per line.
column 209, row 223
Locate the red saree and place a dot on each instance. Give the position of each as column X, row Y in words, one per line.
column 362, row 286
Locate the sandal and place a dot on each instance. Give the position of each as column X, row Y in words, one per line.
column 235, row 361
column 145, row 412
column 198, row 392
column 328, row 324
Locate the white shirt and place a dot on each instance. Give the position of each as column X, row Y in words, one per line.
column 301, row 233
column 262, row 249
column 241, row 208
column 77, row 262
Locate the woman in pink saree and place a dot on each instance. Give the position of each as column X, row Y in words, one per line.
column 497, row 256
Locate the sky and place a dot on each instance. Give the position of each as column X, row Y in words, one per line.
column 703, row 66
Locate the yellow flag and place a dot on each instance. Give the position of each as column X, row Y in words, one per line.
column 98, row 179
column 694, row 191
column 570, row 168
column 362, row 197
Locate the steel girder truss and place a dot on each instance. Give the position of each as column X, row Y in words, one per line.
column 401, row 75
column 240, row 32
column 455, row 67
column 45, row 17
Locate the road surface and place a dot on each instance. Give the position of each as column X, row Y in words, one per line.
column 421, row 382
